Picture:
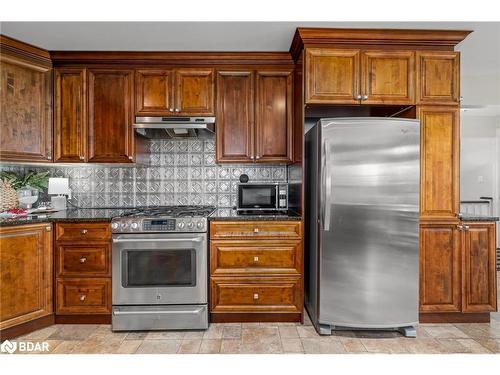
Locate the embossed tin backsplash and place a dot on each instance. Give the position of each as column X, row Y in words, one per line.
column 180, row 172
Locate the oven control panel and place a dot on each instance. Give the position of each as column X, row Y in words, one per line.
column 134, row 225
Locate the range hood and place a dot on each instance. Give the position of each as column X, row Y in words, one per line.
column 175, row 127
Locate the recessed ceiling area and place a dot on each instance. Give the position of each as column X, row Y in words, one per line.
column 480, row 60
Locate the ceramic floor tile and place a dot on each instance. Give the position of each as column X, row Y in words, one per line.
column 322, row 346
column 66, row 347
column 463, row 346
column 99, row 344
column 230, row 346
column 214, row 331
column 231, row 332
column 159, row 347
column 250, row 325
column 260, row 340
column 423, row 346
column 128, row 346
column 73, row 332
column 40, row 335
column 383, row 345
column 352, row 345
column 194, row 335
column 492, row 345
column 136, row 335
column 376, row 334
column 307, row 331
column 165, row 335
column 291, row 345
column 190, row 346
column 210, row 346
column 445, row 332
column 288, row 332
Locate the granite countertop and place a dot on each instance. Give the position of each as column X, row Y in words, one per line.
column 69, row 216
column 232, row 215
column 467, row 217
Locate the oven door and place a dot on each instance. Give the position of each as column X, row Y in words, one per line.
column 159, row 268
column 257, row 197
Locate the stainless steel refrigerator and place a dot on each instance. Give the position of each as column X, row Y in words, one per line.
column 362, row 180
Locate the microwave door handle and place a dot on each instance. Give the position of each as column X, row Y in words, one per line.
column 122, row 240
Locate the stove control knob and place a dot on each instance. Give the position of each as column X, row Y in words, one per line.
column 115, row 225
column 123, row 225
column 200, row 224
column 190, row 225
column 180, row 225
column 134, row 225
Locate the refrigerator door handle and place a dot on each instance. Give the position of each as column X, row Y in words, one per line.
column 326, row 184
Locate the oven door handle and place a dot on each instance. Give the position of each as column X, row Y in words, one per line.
column 123, row 240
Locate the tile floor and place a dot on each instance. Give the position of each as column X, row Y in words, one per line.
column 271, row 338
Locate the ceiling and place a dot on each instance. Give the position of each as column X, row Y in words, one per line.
column 480, row 59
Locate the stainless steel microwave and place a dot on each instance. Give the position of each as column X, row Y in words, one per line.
column 262, row 197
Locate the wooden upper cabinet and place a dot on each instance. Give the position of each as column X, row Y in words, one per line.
column 154, row 92
column 194, row 91
column 438, row 77
column 388, row 77
column 26, row 109
column 479, row 268
column 440, row 268
column 70, row 122
column 273, row 116
column 25, row 273
column 332, row 76
column 439, row 162
column 235, row 116
column 110, row 130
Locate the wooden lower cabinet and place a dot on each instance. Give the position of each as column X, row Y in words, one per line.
column 83, row 272
column 25, row 276
column 256, row 271
column 457, row 271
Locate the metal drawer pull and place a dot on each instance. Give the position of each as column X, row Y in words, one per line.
column 84, row 231
column 255, row 259
column 197, row 311
column 83, row 297
column 256, row 230
column 121, row 240
column 83, row 260
column 256, row 296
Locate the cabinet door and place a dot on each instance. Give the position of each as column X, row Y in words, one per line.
column 26, row 110
column 25, row 273
column 273, row 117
column 194, row 92
column 332, row 76
column 388, row 77
column 110, row 131
column 440, row 268
column 70, row 115
column 154, row 92
column 479, row 268
column 438, row 77
column 235, row 116
column 439, row 162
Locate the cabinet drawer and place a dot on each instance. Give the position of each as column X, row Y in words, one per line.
column 247, row 257
column 255, row 229
column 84, row 260
column 83, row 232
column 83, row 296
column 251, row 295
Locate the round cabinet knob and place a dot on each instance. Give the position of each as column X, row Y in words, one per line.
column 256, row 296
column 181, row 225
column 171, row 109
column 359, row 97
column 365, row 97
column 134, row 225
column 83, row 260
column 256, row 230
column 83, row 297
column 84, row 231
column 255, row 259
column 177, row 110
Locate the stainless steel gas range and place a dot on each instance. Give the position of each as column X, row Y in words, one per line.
column 160, row 268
